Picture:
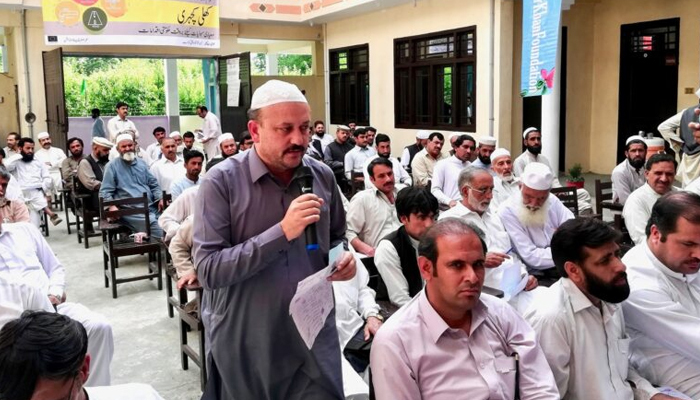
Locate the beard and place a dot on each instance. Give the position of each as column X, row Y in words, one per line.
column 384, row 155
column 485, row 160
column 530, row 218
column 27, row 157
column 103, row 158
column 636, row 163
column 536, row 150
column 129, row 156
column 608, row 292
column 507, row 177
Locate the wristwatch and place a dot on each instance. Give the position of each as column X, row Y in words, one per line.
column 377, row 316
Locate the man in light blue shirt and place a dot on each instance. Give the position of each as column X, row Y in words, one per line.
column 193, row 166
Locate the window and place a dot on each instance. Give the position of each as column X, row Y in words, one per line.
column 349, row 85
column 435, row 80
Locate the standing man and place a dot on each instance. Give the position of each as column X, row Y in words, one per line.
column 12, row 141
column 444, row 184
column 355, row 158
column 69, row 166
column 256, row 260
column 505, row 184
column 629, row 175
column 52, row 157
column 424, row 162
column 211, row 130
column 679, row 135
column 153, row 150
column 121, row 124
column 98, row 124
column 410, row 151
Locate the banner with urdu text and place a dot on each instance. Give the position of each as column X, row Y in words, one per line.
column 187, row 23
column 540, row 41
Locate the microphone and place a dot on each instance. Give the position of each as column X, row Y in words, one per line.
column 306, row 184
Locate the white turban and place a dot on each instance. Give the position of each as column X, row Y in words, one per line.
column 174, row 134
column 42, row 135
column 275, row 92
column 423, row 135
column 124, row 136
column 487, row 141
column 499, row 153
column 225, row 136
column 528, row 130
column 100, row 141
column 633, row 137
column 537, row 176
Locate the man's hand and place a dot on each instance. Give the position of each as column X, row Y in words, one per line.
column 371, row 327
column 494, row 259
column 304, row 210
column 161, row 205
column 531, row 283
column 346, row 268
column 660, row 396
column 112, row 208
column 55, row 300
column 186, row 279
column 453, row 203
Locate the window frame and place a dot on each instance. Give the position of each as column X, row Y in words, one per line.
column 340, row 111
column 405, row 114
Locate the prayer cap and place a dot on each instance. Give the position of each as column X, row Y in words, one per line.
column 528, row 130
column 633, row 137
column 124, row 136
column 344, row 128
column 42, row 135
column 174, row 134
column 100, row 141
column 487, row 141
column 422, row 134
column 499, row 153
column 225, row 136
column 537, row 176
column 275, row 92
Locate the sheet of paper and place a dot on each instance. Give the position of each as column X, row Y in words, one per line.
column 232, row 69
column 668, row 391
column 311, row 305
column 234, row 93
column 513, row 280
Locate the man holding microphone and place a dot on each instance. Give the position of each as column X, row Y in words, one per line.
column 250, row 252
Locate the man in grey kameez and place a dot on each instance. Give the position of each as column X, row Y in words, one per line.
column 250, row 254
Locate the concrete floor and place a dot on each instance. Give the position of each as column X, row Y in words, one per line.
column 146, row 341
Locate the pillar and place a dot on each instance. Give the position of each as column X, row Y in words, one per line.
column 272, row 64
column 172, row 96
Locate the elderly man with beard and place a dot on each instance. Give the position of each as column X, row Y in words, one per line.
column 663, row 310
column 487, row 145
column 579, row 321
column 531, row 218
column 52, row 157
column 69, row 166
column 444, row 184
column 372, row 213
column 424, row 162
column 128, row 176
column 228, row 147
column 91, row 171
column 384, row 150
column 628, row 175
column 505, row 184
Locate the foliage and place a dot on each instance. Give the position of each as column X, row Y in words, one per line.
column 287, row 64
column 137, row 81
column 576, row 173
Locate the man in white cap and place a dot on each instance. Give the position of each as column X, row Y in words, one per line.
column 486, row 146
column 250, row 250
column 211, row 130
column 505, row 184
column 153, row 150
column 446, row 174
column 227, row 147
column 680, row 137
column 628, row 175
column 169, row 168
column 52, row 157
column 424, row 162
column 121, row 123
column 91, row 171
column 177, row 136
column 410, row 151
column 128, row 176
column 531, row 219
column 660, row 173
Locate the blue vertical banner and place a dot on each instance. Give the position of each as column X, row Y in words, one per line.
column 540, row 40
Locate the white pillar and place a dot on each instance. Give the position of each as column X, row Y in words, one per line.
column 550, row 116
column 272, row 65
column 172, row 96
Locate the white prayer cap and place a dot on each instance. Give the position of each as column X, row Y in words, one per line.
column 42, row 135
column 275, row 92
column 225, row 136
column 487, row 141
column 174, row 134
column 537, row 176
column 124, row 136
column 633, row 137
column 343, row 128
column 528, row 130
column 422, row 134
column 499, row 153
column 100, row 141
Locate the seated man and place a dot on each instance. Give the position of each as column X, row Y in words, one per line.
column 193, row 167
column 579, row 321
column 505, row 184
column 52, row 157
column 154, row 150
column 48, row 356
column 660, row 173
column 37, row 266
column 531, row 218
column 396, row 256
column 179, row 209
column 334, row 154
column 14, row 191
column 12, row 147
column 180, row 148
column 169, row 167
column 180, row 249
column 34, row 179
column 453, row 342
column 372, row 214
column 246, row 142
column 91, row 171
column 69, row 166
column 424, row 162
column 663, row 310
column 628, row 175
column 476, row 186
column 228, row 147
column 487, row 145
column 384, row 150
column 410, row 151
column 355, row 159
column 17, row 297
column 10, row 210
column 128, row 176
column 444, row 183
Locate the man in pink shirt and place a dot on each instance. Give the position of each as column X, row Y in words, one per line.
column 451, row 341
